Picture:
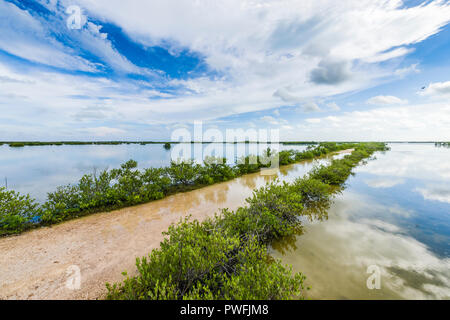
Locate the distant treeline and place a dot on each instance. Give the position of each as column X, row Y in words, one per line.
column 299, row 143
column 127, row 186
column 442, row 144
column 75, row 143
column 226, row 257
column 19, row 144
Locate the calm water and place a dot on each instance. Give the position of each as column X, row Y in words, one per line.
column 394, row 214
column 38, row 170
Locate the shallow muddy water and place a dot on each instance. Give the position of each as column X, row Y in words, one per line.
column 393, row 218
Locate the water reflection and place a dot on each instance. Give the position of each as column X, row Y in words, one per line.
column 395, row 215
column 438, row 192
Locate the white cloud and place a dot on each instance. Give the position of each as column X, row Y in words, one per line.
column 310, row 107
column 25, row 37
column 271, row 50
column 390, row 55
column 435, row 193
column 425, row 122
column 382, row 225
column 104, row 131
column 410, row 161
column 331, row 73
column 384, row 182
column 313, row 120
column 268, row 54
column 437, row 89
column 333, row 106
column 274, row 121
column 408, row 70
column 31, row 37
column 361, row 29
column 269, row 119
column 386, row 100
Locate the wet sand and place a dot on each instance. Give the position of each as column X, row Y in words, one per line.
column 37, row 264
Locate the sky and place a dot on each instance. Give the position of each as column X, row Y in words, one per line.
column 139, row 70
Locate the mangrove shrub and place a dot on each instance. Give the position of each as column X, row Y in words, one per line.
column 17, row 212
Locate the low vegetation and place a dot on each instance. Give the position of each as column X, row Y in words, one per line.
column 73, row 143
column 299, row 142
column 442, row 144
column 82, row 143
column 17, row 212
column 17, row 145
column 225, row 257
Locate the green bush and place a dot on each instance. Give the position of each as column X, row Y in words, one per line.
column 189, row 252
column 286, row 157
column 17, row 145
column 249, row 164
column 17, row 212
column 183, row 172
column 61, row 205
column 311, row 190
column 129, row 183
column 73, row 201
column 215, row 170
column 255, row 276
column 335, row 174
column 203, row 261
column 156, row 183
column 276, row 207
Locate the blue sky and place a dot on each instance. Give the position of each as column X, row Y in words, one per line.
column 315, row 70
